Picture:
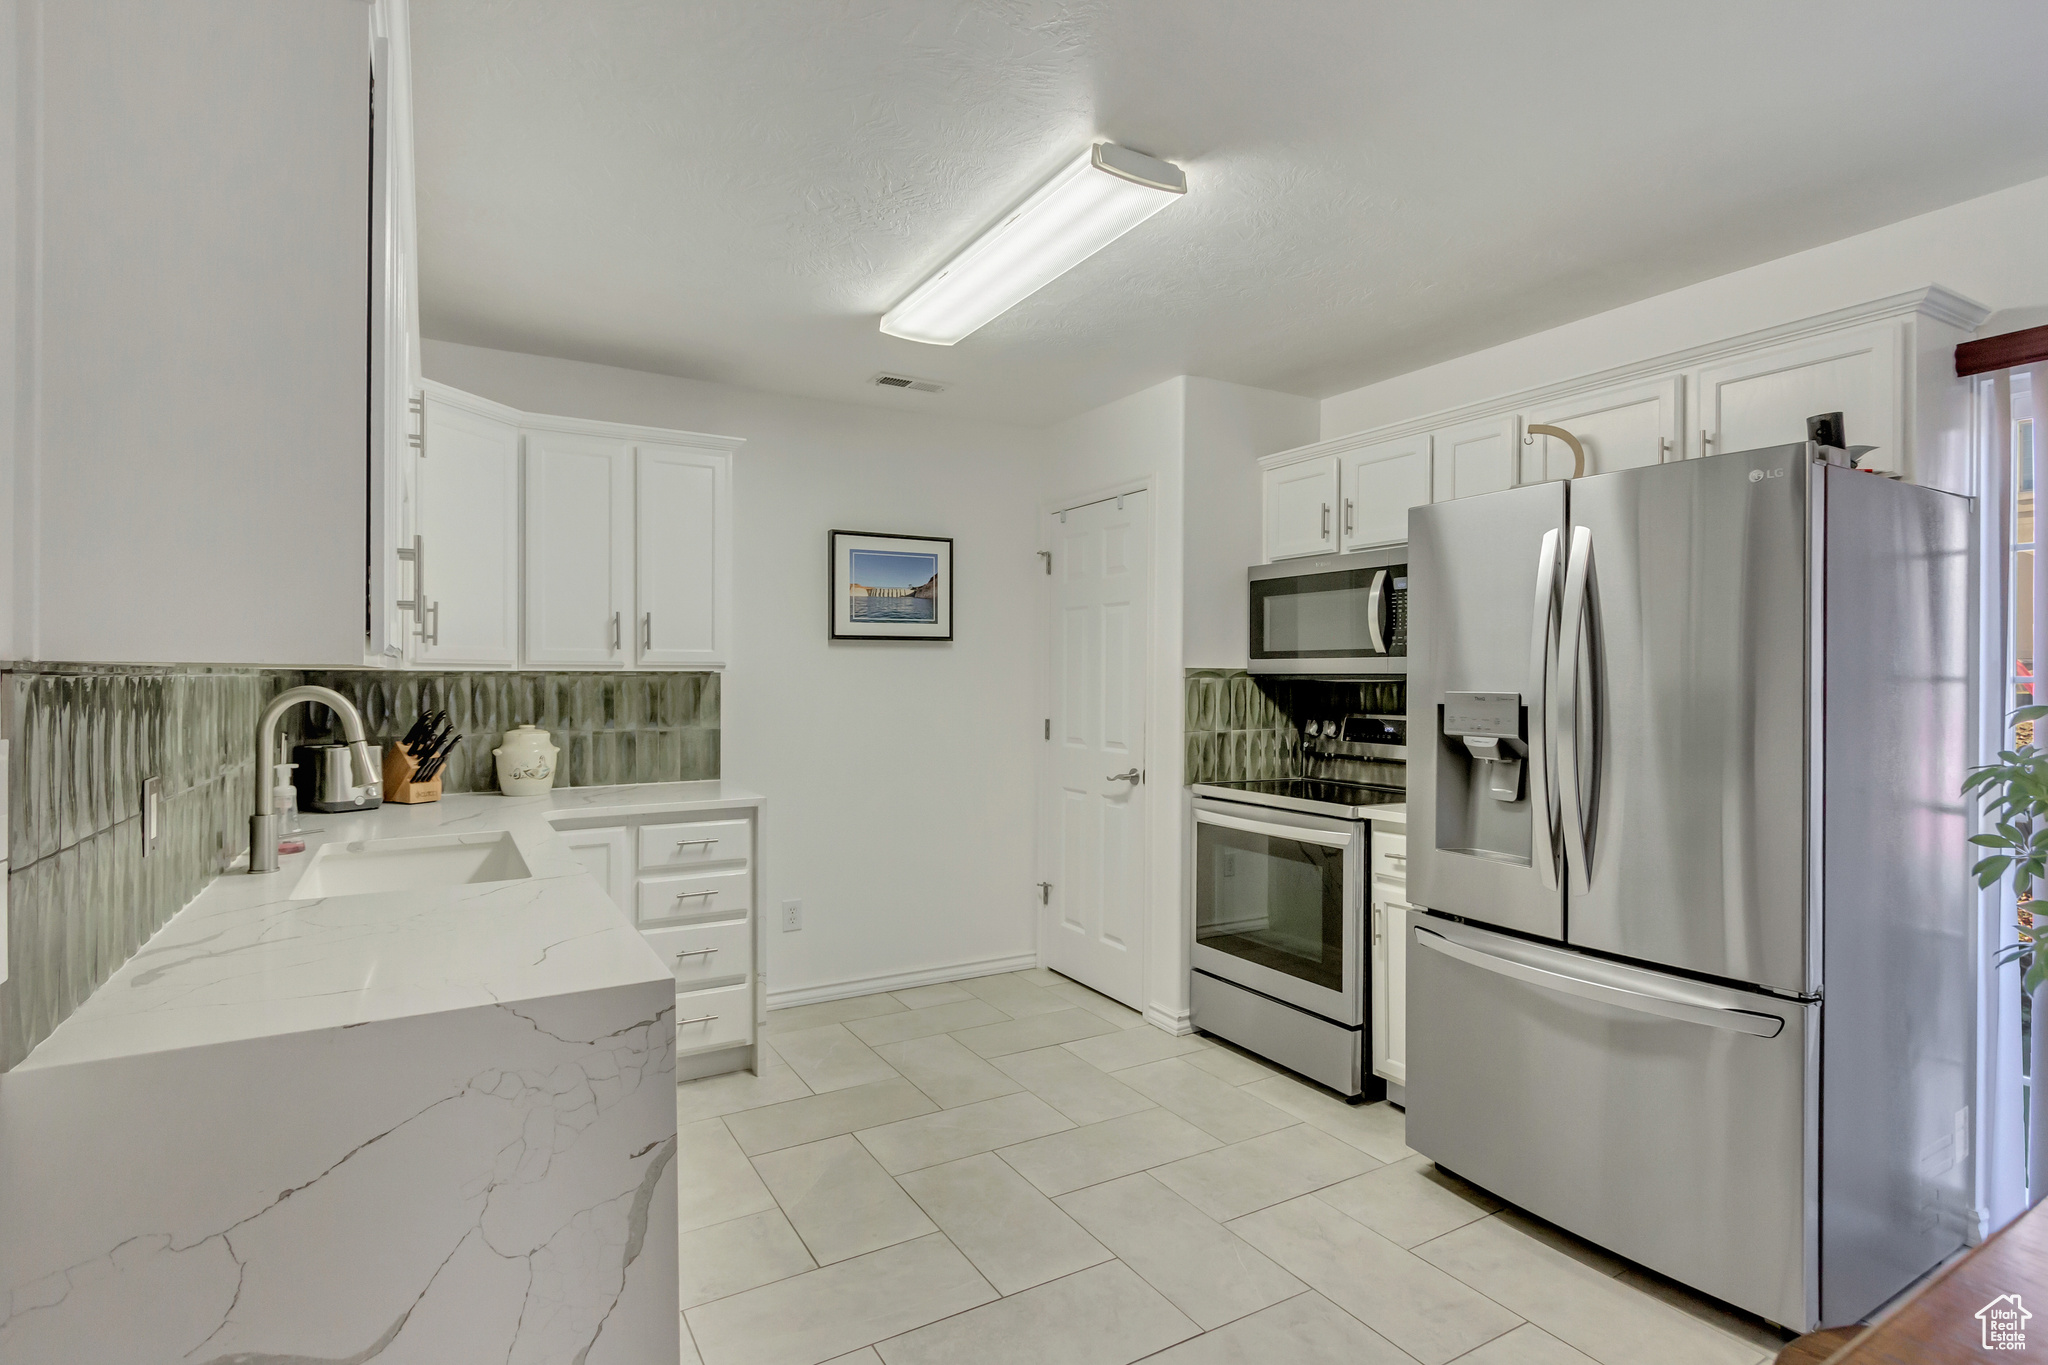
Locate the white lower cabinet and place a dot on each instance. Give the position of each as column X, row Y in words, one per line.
column 688, row 883
column 608, row 853
column 1389, row 896
column 718, row 1018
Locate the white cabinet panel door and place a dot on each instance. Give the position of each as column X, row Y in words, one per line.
column 579, row 567
column 1390, row 989
column 683, row 580
column 469, row 530
column 1621, row 428
column 1764, row 399
column 1102, row 611
column 1475, row 457
column 1301, row 508
column 608, row 853
column 1381, row 482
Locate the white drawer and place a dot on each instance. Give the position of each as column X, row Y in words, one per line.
column 706, row 954
column 694, row 895
column 715, row 1018
column 697, row 843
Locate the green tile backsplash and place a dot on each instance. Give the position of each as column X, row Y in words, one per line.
column 610, row 727
column 1240, row 728
column 82, row 899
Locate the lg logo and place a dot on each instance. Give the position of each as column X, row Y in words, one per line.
column 1759, row 475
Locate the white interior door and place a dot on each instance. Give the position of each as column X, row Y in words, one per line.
column 1102, row 618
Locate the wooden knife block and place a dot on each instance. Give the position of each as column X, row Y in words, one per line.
column 399, row 766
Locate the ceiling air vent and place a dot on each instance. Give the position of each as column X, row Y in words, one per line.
column 904, row 381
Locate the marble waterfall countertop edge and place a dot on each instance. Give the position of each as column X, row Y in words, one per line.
column 242, row 960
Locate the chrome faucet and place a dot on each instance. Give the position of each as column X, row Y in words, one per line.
column 262, row 830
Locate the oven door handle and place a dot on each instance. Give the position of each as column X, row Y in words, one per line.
column 1375, row 607
column 1328, row 838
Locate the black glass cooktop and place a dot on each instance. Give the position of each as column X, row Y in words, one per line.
column 1355, row 800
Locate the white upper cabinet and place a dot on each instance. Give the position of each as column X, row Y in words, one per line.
column 1475, row 457
column 1620, row 428
column 1380, row 483
column 1301, row 508
column 682, row 575
column 467, row 576
column 579, row 558
column 1764, row 398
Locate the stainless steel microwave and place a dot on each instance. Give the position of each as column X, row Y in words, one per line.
column 1331, row 615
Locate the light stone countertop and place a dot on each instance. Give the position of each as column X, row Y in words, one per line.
column 1390, row 815
column 242, row 960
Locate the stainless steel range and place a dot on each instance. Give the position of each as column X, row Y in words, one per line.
column 1280, row 934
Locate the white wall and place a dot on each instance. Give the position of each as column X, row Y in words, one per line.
column 1228, row 427
column 196, row 277
column 1988, row 249
column 899, row 806
column 10, row 260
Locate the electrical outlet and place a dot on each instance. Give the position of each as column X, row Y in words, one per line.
column 792, row 916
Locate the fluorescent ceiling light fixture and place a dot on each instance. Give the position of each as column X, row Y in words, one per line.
column 1105, row 193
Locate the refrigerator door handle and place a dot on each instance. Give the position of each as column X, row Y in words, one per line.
column 1542, row 665
column 1571, row 791
column 1642, row 1001
column 1375, row 605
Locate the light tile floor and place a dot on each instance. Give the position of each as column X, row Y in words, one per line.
column 1016, row 1169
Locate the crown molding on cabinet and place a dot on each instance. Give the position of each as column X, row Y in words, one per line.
column 1933, row 302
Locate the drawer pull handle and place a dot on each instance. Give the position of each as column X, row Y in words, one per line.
column 685, row 895
column 1400, row 858
column 695, row 952
column 700, row 1019
column 688, row 843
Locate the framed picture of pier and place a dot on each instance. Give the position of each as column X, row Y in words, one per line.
column 891, row 587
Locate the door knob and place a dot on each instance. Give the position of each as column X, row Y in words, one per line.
column 1134, row 777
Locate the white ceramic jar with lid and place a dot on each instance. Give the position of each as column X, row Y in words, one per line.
column 526, row 761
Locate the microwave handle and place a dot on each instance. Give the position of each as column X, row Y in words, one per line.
column 1326, row 838
column 1375, row 609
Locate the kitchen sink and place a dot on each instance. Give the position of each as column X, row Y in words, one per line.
column 368, row 866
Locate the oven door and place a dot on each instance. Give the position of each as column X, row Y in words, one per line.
column 1279, row 903
column 1330, row 616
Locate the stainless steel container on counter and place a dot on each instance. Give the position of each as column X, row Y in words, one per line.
column 326, row 779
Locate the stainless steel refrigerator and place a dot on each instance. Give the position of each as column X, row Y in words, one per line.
column 1693, row 976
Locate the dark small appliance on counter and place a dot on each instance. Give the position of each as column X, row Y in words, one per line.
column 325, row 779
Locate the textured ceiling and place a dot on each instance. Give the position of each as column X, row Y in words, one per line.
column 736, row 189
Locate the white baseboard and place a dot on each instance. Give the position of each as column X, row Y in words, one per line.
column 1176, row 1022
column 896, row 981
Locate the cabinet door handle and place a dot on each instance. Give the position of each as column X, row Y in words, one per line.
column 647, row 631
column 1705, row 440
column 433, row 633
column 615, row 632
column 1378, row 915
column 1350, row 519
column 1326, row 521
column 695, row 952
column 700, row 1019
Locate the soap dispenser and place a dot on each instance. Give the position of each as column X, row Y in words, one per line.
column 284, row 803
